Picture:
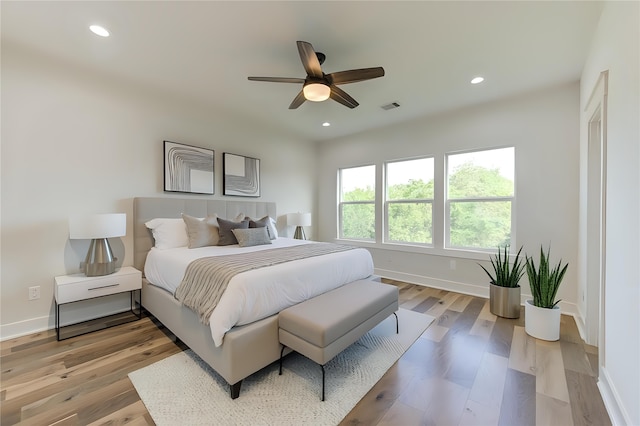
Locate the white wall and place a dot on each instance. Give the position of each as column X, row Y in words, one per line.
column 76, row 142
column 544, row 128
column 616, row 48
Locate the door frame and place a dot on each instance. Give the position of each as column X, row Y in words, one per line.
column 595, row 225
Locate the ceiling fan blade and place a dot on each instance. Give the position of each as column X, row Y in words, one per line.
column 352, row 76
column 309, row 59
column 297, row 101
column 278, row 79
column 339, row 95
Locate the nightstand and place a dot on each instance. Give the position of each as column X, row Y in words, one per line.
column 79, row 287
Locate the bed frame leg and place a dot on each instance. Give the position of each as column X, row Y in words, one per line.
column 235, row 389
column 397, row 325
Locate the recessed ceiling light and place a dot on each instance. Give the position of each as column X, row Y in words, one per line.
column 326, row 124
column 98, row 30
column 477, row 80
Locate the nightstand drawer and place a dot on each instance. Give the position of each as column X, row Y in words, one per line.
column 79, row 287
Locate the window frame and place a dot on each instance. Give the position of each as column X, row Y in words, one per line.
column 341, row 204
column 448, row 201
column 440, row 209
column 386, row 203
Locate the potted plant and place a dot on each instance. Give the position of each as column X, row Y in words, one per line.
column 542, row 314
column 504, row 290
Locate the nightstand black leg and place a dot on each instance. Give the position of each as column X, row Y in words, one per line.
column 58, row 322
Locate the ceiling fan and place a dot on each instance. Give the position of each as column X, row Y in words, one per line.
column 319, row 86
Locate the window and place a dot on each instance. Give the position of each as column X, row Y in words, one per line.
column 357, row 215
column 480, row 195
column 409, row 201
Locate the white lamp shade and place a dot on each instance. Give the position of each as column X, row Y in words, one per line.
column 97, row 226
column 316, row 92
column 299, row 219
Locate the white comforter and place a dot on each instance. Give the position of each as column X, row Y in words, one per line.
column 262, row 292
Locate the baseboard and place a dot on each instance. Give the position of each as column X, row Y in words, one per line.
column 582, row 328
column 38, row 325
column 464, row 288
column 611, row 399
column 23, row 328
column 568, row 308
column 470, row 289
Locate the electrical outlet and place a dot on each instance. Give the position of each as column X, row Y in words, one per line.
column 34, row 292
column 452, row 264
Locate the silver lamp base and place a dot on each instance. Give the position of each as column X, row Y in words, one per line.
column 99, row 260
column 299, row 234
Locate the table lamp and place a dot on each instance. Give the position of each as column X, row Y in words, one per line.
column 299, row 220
column 98, row 228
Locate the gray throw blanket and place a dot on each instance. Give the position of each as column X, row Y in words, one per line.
column 206, row 279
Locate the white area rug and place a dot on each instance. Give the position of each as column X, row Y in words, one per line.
column 182, row 389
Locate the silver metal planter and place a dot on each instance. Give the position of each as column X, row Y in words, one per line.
column 504, row 301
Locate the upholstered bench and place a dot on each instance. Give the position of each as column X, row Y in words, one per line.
column 322, row 327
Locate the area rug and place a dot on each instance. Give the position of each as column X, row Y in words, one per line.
column 182, row 389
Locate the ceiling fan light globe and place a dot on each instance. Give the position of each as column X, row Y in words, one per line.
column 316, row 92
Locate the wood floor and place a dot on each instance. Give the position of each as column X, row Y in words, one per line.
column 469, row 368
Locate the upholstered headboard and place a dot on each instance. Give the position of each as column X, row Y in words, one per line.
column 145, row 209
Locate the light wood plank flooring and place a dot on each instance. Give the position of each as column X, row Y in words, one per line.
column 469, row 368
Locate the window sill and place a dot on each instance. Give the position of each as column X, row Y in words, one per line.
column 428, row 250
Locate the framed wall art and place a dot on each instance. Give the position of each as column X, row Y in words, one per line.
column 241, row 175
column 188, row 168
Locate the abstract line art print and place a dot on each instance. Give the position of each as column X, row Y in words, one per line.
column 188, row 169
column 241, row 175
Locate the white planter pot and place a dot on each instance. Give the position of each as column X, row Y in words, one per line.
column 542, row 323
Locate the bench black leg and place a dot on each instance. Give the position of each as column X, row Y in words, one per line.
column 397, row 326
column 322, row 366
column 235, row 389
column 281, row 352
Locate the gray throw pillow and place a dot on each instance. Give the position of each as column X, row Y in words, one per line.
column 252, row 236
column 202, row 232
column 265, row 222
column 226, row 236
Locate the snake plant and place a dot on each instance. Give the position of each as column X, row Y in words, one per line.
column 505, row 275
column 545, row 281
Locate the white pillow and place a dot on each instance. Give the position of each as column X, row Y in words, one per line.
column 274, row 228
column 168, row 233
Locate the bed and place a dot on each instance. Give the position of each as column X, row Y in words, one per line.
column 244, row 344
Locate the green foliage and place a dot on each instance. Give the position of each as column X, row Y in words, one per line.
column 480, row 224
column 469, row 180
column 410, row 222
column 358, row 221
column 545, row 281
column 505, row 275
column 360, row 194
column 414, row 190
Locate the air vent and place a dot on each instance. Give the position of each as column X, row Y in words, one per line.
column 392, row 105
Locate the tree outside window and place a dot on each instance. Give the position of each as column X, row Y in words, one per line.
column 480, row 195
column 357, row 216
column 409, row 201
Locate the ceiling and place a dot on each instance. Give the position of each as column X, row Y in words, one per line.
column 206, row 50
